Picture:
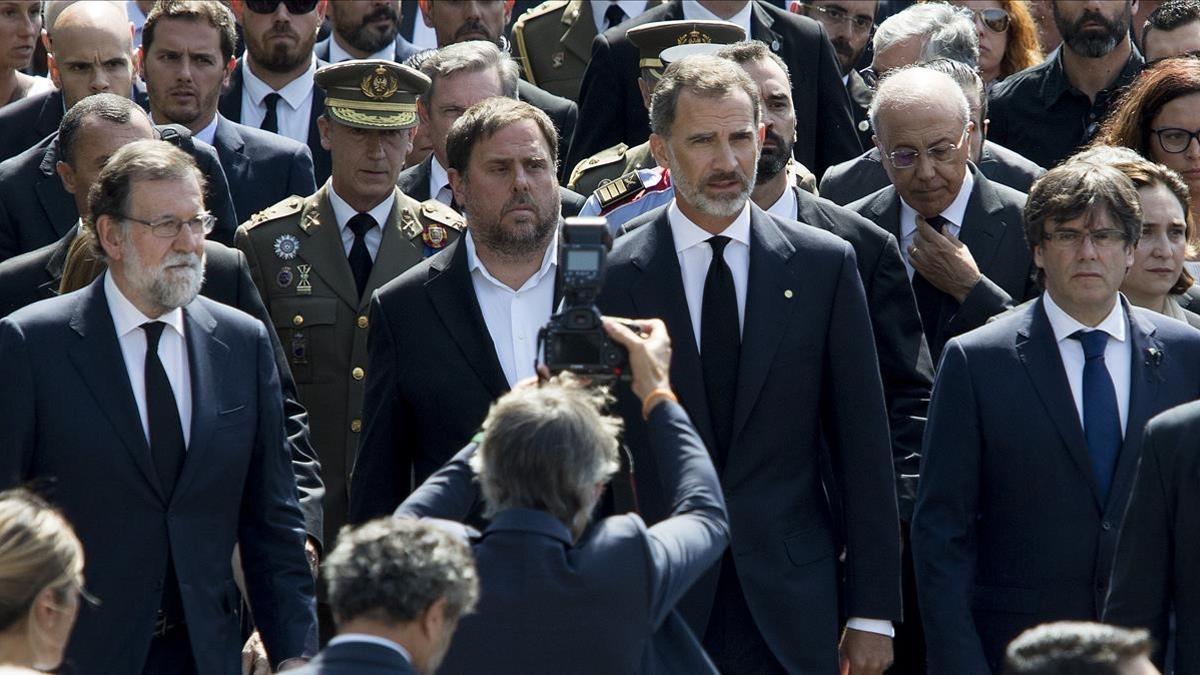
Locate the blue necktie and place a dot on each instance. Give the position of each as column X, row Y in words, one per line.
column 1101, row 419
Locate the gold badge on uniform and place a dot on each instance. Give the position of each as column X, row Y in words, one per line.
column 693, row 37
column 556, row 61
column 304, row 286
column 435, row 236
column 380, row 83
column 284, row 278
column 286, row 246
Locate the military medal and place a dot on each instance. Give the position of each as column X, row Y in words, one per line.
column 556, row 61
column 284, row 279
column 286, row 246
column 304, row 286
column 435, row 236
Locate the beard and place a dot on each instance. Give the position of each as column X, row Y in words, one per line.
column 525, row 238
column 281, row 58
column 723, row 206
column 363, row 36
column 166, row 288
column 846, row 55
column 773, row 160
column 1092, row 44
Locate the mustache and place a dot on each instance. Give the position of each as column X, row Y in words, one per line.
column 192, row 260
column 471, row 26
column 842, row 46
column 1091, row 15
column 722, row 176
column 384, row 12
column 283, row 29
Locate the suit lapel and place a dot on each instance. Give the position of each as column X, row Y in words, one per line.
column 767, row 311
column 982, row 229
column 1038, row 351
column 884, row 210
column 323, row 247
column 206, row 358
column 760, row 28
column 230, row 146
column 53, row 197
column 1144, row 380
column 396, row 253
column 230, row 104
column 453, row 297
column 99, row 360
column 54, row 266
column 581, row 29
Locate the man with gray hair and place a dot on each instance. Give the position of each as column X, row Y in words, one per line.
column 958, row 231
column 398, row 588
column 776, row 365
column 461, row 75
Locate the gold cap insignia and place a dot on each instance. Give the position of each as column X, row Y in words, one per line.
column 693, row 37
column 380, row 83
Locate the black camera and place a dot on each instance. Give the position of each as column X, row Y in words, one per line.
column 574, row 339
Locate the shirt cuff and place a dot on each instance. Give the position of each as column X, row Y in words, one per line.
column 879, row 626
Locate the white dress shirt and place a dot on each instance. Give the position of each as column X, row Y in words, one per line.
column 424, row 37
column 337, row 54
column 694, row 11
column 439, row 182
column 1118, row 356
column 513, row 317
column 292, row 110
column 631, row 8
column 787, row 206
column 343, row 212
column 172, row 352
column 956, row 213
column 207, row 134
column 373, row 639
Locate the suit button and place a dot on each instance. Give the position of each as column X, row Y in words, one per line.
column 1106, row 526
column 362, row 322
column 356, row 426
column 298, row 320
column 357, row 373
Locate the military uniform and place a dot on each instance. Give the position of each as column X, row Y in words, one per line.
column 604, row 167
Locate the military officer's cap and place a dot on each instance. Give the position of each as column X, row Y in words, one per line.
column 372, row 93
column 652, row 39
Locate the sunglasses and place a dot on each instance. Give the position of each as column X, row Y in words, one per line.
column 994, row 18
column 293, row 6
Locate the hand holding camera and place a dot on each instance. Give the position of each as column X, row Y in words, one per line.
column 649, row 355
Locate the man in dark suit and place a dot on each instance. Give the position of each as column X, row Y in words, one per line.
column 772, row 352
column 36, row 210
column 960, row 232
column 1035, row 430
column 605, row 590
column 1158, row 555
column 187, row 52
column 462, row 75
column 364, row 29
column 458, row 330
column 271, row 86
column 612, row 105
column 177, row 401
column 849, row 24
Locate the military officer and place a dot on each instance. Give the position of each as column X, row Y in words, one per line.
column 317, row 259
column 651, row 40
column 554, row 39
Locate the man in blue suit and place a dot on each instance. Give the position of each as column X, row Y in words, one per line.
column 186, row 55
column 157, row 417
column 1035, row 429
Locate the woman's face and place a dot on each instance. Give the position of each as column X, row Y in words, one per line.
column 1158, row 258
column 991, row 44
column 20, row 25
column 1181, row 113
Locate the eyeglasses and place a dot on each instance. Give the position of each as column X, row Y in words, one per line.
column 836, row 16
column 907, row 159
column 1174, row 140
column 293, row 6
column 169, row 228
column 1072, row 239
column 994, row 19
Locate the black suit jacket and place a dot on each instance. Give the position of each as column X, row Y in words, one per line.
column 1010, row 530
column 414, row 182
column 994, row 234
column 36, row 210
column 404, row 49
column 24, row 122
column 808, row 388
column 357, row 658
column 68, row 415
column 856, row 178
column 562, row 111
column 611, row 104
column 262, row 168
column 230, row 106
column 35, row 276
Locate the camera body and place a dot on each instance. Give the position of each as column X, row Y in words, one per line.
column 574, row 339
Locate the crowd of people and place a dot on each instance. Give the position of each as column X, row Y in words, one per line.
column 907, row 290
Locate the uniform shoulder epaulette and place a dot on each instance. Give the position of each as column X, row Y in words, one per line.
column 619, row 190
column 606, row 156
column 432, row 209
column 534, row 12
column 290, row 206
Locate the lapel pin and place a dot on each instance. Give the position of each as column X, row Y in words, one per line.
column 285, row 277
column 286, row 246
column 774, row 45
column 788, row 294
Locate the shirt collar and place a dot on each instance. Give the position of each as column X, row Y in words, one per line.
column 1056, row 83
column 373, row 639
column 694, row 11
column 631, row 8
column 437, row 175
column 549, row 263
column 688, row 234
column 1064, row 325
column 294, row 92
column 207, row 134
column 128, row 318
column 337, row 54
column 785, row 206
column 343, row 212
column 956, row 213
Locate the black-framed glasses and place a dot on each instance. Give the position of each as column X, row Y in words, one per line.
column 293, row 6
column 1175, row 140
column 1072, row 239
column 169, row 228
column 836, row 15
column 993, row 18
column 907, row 158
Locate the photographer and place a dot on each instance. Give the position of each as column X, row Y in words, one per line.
column 558, row 594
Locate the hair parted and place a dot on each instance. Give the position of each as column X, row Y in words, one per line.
column 108, row 107
column 948, row 32
column 484, row 119
column 701, row 75
column 212, row 12
column 393, row 569
column 1075, row 648
column 469, row 57
column 749, row 51
column 1131, row 120
column 38, row 550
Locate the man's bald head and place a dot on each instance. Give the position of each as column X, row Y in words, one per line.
column 921, row 91
column 91, row 50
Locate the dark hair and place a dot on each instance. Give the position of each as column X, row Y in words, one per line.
column 108, row 107
column 215, row 13
column 1171, row 15
column 1130, row 120
column 1075, row 648
column 702, row 75
column 393, row 570
column 748, row 51
column 484, row 119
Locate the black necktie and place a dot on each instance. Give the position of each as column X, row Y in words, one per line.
column 720, row 346
column 613, row 15
column 929, row 298
column 1101, row 417
column 166, row 433
column 360, row 257
column 271, row 121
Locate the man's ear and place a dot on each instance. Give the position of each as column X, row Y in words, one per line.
column 426, row 11
column 67, row 175
column 986, row 123
column 52, row 65
column 228, row 71
column 422, row 112
column 433, row 621
column 658, row 148
column 139, row 63
column 323, row 126
column 457, row 185
column 108, row 232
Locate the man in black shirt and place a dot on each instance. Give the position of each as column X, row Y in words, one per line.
column 1047, row 111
